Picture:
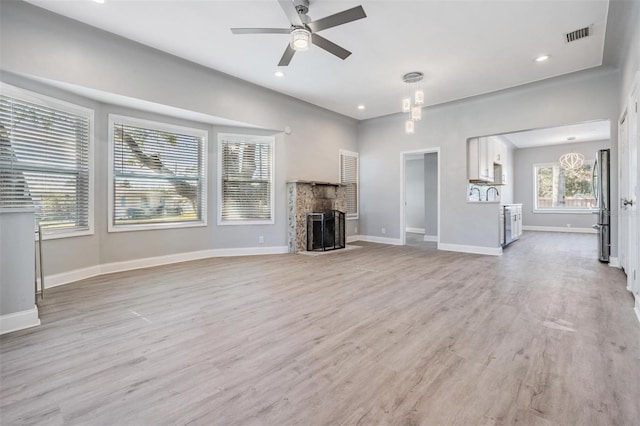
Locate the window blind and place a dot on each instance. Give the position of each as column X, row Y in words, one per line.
column 44, row 163
column 246, row 179
column 158, row 175
column 349, row 177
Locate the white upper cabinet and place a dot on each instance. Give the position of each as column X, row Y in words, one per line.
column 486, row 160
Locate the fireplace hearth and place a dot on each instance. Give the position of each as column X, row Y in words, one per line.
column 325, row 231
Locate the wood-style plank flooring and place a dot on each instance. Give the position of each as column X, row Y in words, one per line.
column 544, row 334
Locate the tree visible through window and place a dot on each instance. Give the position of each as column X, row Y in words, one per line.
column 246, row 179
column 559, row 188
column 45, row 160
column 158, row 174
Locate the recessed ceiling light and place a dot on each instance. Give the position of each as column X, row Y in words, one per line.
column 278, row 74
column 360, row 107
column 542, row 58
column 98, row 1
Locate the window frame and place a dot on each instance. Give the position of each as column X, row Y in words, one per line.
column 70, row 108
column 247, row 138
column 345, row 153
column 555, row 210
column 160, row 126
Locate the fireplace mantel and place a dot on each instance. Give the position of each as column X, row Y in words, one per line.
column 304, row 196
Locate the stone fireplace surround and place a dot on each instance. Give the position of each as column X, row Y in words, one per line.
column 310, row 197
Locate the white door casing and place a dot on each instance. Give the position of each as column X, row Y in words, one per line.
column 623, row 189
column 630, row 203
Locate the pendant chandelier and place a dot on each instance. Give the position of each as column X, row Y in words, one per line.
column 571, row 160
column 413, row 104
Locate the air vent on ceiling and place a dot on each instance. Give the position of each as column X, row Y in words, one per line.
column 578, row 34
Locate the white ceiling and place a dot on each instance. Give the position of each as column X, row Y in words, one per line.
column 464, row 48
column 582, row 132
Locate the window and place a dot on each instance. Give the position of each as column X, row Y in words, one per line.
column 349, row 177
column 45, row 160
column 245, row 165
column 158, row 175
column 558, row 189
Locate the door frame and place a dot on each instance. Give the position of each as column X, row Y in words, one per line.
column 403, row 159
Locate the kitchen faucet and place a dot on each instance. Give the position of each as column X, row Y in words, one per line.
column 489, row 190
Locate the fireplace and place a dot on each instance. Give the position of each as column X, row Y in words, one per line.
column 305, row 197
column 325, row 231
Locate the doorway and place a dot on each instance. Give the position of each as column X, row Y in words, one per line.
column 420, row 197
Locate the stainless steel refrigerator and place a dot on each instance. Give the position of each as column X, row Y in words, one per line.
column 601, row 189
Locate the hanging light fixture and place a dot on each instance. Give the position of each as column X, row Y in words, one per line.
column 415, row 109
column 300, row 39
column 571, row 160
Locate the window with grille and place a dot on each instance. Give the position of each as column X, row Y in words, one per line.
column 349, row 177
column 158, row 175
column 245, row 165
column 45, row 160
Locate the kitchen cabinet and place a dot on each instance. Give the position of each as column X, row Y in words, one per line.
column 487, row 160
column 480, row 160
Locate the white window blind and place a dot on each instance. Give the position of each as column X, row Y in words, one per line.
column 45, row 160
column 158, row 175
column 349, row 177
column 246, row 179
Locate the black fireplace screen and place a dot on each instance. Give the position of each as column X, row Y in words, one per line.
column 325, row 231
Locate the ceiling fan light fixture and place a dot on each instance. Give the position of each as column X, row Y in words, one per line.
column 300, row 39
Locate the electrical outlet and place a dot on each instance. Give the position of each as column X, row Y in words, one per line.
column 383, row 230
column 260, row 239
column 355, row 230
column 568, row 225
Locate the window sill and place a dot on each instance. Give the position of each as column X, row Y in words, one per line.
column 155, row 226
column 61, row 235
column 356, row 217
column 245, row 222
column 565, row 211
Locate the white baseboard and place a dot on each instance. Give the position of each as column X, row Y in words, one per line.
column 381, row 240
column 637, row 311
column 19, row 320
column 353, row 238
column 614, row 262
column 108, row 268
column 430, row 238
column 559, row 229
column 415, row 230
column 491, row 251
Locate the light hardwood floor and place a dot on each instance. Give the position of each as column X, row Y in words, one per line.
column 544, row 334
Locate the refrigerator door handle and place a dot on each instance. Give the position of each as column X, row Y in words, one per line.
column 593, row 181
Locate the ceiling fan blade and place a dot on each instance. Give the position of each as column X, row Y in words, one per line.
column 330, row 46
column 286, row 56
column 260, row 30
column 291, row 12
column 339, row 18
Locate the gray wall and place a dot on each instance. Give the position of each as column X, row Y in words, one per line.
column 582, row 96
column 524, row 189
column 431, row 194
column 35, row 43
column 414, row 194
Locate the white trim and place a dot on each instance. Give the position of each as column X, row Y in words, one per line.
column 636, row 309
column 415, row 230
column 431, row 238
column 19, row 320
column 614, row 262
column 161, row 126
column 108, row 268
column 55, row 103
column 381, row 240
column 403, row 158
column 246, row 138
column 559, row 229
column 353, row 238
column 341, row 153
column 491, row 251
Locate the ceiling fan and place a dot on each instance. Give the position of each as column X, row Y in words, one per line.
column 304, row 31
